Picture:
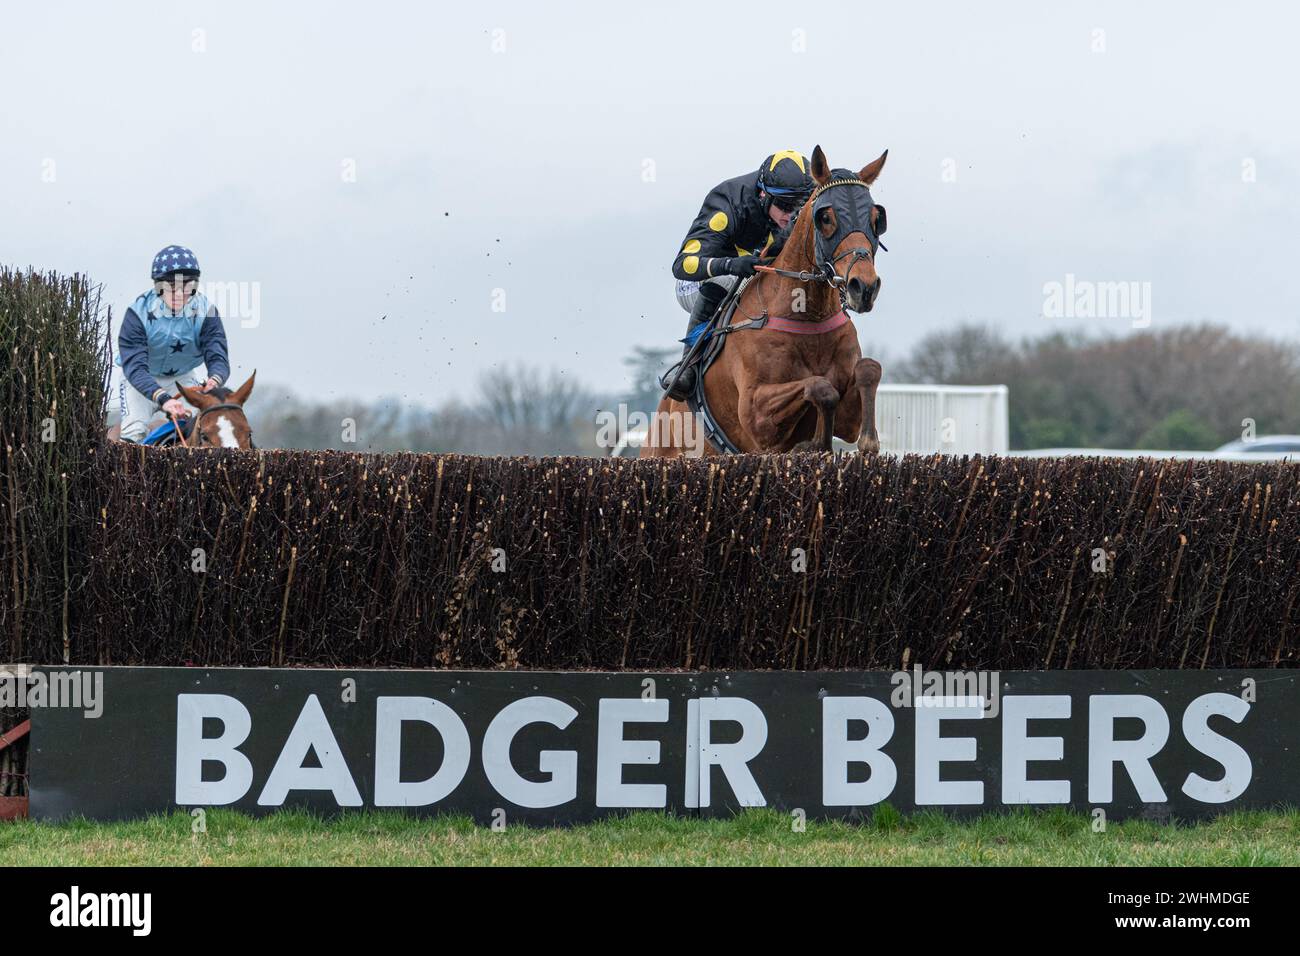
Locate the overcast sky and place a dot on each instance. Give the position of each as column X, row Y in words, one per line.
column 559, row 152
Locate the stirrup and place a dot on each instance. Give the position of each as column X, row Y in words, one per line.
column 685, row 384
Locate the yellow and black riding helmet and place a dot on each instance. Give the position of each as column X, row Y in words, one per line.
column 784, row 181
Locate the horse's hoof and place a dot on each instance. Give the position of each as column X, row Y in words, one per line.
column 869, row 446
column 808, row 447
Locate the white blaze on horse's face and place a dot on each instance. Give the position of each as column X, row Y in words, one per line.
column 227, row 433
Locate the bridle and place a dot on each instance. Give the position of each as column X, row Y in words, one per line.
column 847, row 222
column 197, row 430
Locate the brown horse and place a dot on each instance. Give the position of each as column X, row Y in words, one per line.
column 220, row 423
column 799, row 379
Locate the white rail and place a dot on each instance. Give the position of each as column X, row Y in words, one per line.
column 949, row 419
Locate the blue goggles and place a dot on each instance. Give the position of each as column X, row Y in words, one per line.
column 785, row 197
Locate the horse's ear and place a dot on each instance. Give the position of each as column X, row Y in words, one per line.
column 196, row 398
column 872, row 170
column 240, row 395
column 821, row 170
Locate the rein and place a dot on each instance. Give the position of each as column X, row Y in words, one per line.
column 179, row 434
column 801, row 276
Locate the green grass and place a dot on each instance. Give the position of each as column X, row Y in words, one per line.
column 759, row 837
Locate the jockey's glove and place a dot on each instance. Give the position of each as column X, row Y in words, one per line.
column 161, row 397
column 743, row 266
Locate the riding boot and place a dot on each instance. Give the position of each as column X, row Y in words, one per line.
column 710, row 297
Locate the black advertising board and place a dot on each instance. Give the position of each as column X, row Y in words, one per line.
column 536, row 747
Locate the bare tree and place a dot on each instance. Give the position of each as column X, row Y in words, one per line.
column 528, row 412
column 965, row 355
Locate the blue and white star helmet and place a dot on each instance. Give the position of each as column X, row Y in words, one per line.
column 172, row 260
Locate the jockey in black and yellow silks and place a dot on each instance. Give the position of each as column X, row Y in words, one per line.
column 738, row 220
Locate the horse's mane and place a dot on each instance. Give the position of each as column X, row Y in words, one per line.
column 220, row 393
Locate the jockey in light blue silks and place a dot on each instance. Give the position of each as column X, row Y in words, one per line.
column 170, row 334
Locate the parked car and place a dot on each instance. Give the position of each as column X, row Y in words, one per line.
column 1264, row 448
column 1274, row 446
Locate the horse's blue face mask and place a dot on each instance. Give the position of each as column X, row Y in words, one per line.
column 851, row 200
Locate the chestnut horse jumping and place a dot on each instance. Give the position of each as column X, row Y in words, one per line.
column 799, row 378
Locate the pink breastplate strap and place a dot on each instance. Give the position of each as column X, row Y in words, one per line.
column 801, row 327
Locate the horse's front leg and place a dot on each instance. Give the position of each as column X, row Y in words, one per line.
column 770, row 413
column 866, row 376
column 823, row 396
